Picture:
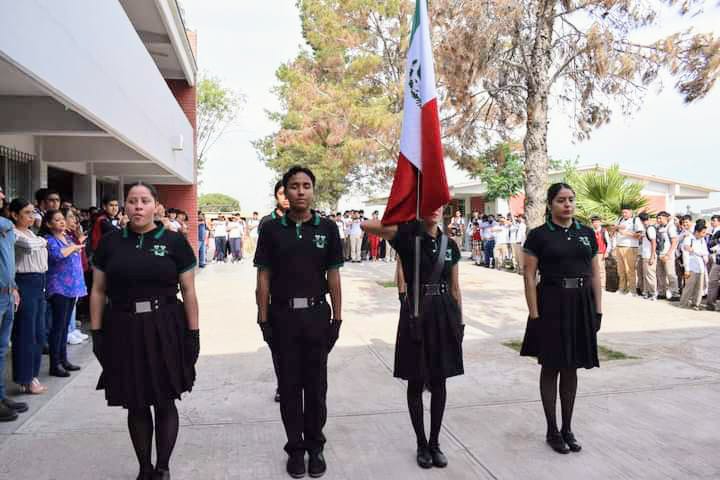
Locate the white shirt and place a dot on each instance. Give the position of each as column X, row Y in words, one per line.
column 668, row 232
column 647, row 252
column 220, row 229
column 502, row 234
column 252, row 225
column 174, row 226
column 631, row 225
column 341, row 228
column 698, row 258
column 236, row 229
column 355, row 230
column 520, row 233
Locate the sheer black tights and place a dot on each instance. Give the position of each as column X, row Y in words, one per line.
column 140, row 425
column 548, row 394
column 437, row 409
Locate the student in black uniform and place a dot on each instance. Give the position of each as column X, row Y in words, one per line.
column 146, row 340
column 281, row 206
column 428, row 350
column 298, row 257
column 565, row 308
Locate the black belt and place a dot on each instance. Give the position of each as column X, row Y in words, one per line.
column 434, row 289
column 569, row 282
column 299, row 303
column 144, row 305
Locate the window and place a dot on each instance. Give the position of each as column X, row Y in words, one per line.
column 15, row 172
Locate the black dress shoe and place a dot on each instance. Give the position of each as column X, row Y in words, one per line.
column 277, row 395
column 59, row 371
column 145, row 475
column 571, row 441
column 438, row 457
column 161, row 474
column 424, row 459
column 19, row 407
column 556, row 442
column 70, row 367
column 316, row 465
column 296, row 465
column 7, row 414
column 46, row 350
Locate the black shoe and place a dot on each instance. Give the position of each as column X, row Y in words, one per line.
column 316, row 465
column 277, row 395
column 296, row 465
column 675, row 299
column 46, row 350
column 571, row 441
column 70, row 367
column 18, row 407
column 59, row 371
column 7, row 414
column 424, row 459
column 439, row 459
column 556, row 442
column 161, row 474
column 145, row 475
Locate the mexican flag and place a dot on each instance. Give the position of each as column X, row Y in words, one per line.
column 421, row 148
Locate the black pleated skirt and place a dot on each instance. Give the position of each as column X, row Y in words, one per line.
column 565, row 334
column 436, row 350
column 144, row 359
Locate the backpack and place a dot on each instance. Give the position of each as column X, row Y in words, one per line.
column 660, row 237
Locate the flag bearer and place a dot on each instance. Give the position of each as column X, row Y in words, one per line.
column 299, row 256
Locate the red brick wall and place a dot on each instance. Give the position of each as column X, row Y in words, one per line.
column 477, row 203
column 517, row 204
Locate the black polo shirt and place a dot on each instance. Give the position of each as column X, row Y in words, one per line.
column 271, row 216
column 562, row 252
column 299, row 255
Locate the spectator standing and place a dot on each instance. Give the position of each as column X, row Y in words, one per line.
column 347, row 223
column 28, row 334
column 47, row 199
column 667, row 239
column 714, row 276
column 602, row 238
column 340, row 222
column 75, row 234
column 374, row 241
column 696, row 267
column 252, row 228
column 648, row 255
column 518, row 235
column 220, row 232
column 488, row 236
column 356, row 237
column 105, row 223
column 456, row 229
column 630, row 231
column 203, row 236
column 685, row 232
column 502, row 242
column 236, row 231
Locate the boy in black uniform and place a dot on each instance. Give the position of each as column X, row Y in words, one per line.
column 298, row 258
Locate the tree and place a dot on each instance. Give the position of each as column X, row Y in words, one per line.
column 342, row 96
column 218, row 202
column 217, row 108
column 503, row 61
column 604, row 193
column 500, row 168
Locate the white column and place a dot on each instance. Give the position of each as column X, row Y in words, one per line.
column 121, row 191
column 38, row 169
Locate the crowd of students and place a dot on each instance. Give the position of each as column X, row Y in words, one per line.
column 46, row 254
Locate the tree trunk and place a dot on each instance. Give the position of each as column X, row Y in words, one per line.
column 535, row 142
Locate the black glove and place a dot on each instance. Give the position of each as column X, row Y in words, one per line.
column 97, row 347
column 598, row 321
column 192, row 345
column 334, row 333
column 266, row 330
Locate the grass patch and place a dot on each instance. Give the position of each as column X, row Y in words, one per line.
column 605, row 354
column 388, row 284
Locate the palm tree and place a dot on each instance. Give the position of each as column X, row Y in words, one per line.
column 604, row 193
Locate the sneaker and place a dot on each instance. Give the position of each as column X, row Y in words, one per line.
column 73, row 339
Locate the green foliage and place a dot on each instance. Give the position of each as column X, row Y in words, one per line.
column 603, row 193
column 503, row 174
column 218, row 202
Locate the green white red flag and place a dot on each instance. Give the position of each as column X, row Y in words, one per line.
column 421, row 148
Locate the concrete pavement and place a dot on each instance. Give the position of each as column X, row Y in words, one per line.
column 655, row 417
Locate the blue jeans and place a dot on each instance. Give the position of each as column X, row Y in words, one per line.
column 62, row 308
column 220, row 244
column 236, row 248
column 7, row 310
column 201, row 255
column 489, row 252
column 28, row 335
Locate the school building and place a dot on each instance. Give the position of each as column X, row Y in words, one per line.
column 95, row 95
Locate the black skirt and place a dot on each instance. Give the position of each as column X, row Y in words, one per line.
column 434, row 350
column 565, row 334
column 144, row 359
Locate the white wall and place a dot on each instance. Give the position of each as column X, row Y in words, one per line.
column 23, row 143
column 87, row 55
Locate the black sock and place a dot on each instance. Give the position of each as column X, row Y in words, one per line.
column 568, row 390
column 415, row 407
column 167, row 424
column 140, row 425
column 548, row 394
column 437, row 409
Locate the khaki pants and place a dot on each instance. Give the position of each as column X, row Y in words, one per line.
column 389, row 252
column 713, row 285
column 649, row 276
column 355, row 247
column 501, row 253
column 518, row 259
column 667, row 279
column 693, row 291
column 600, row 258
column 346, row 248
column 627, row 262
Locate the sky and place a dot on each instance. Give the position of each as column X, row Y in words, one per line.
column 243, row 42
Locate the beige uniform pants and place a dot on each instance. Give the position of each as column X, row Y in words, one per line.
column 600, row 258
column 649, row 276
column 693, row 291
column 502, row 251
column 627, row 263
column 713, row 285
column 355, row 247
column 518, row 259
column 667, row 279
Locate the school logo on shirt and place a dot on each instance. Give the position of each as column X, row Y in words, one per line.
column 320, row 241
column 159, row 250
column 585, row 241
column 448, row 255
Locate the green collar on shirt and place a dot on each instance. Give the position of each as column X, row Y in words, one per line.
column 315, row 219
column 554, row 227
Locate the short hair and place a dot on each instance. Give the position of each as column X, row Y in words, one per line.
column 700, row 225
column 595, row 218
column 110, row 197
column 151, row 188
column 687, row 217
column 715, row 217
column 643, row 216
column 51, row 191
column 294, row 171
column 278, row 186
column 664, row 214
column 256, row 213
column 40, row 195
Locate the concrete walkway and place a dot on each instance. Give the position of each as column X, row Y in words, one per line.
column 655, row 417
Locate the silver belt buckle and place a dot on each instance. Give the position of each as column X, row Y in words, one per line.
column 143, row 307
column 299, row 303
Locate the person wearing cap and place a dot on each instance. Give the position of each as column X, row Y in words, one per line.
column 667, row 237
column 630, row 231
column 298, row 257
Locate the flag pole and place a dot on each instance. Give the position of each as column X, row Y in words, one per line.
column 416, row 279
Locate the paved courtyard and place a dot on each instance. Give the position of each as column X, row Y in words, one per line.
column 652, row 417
